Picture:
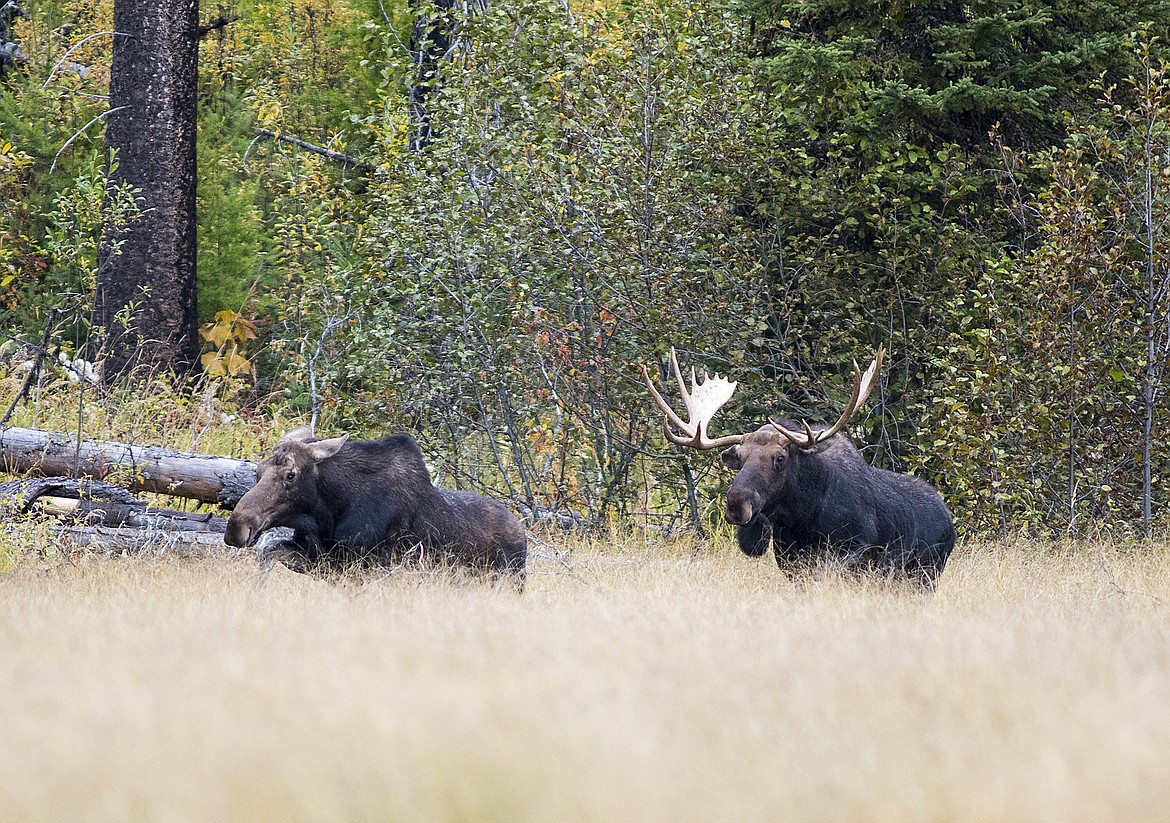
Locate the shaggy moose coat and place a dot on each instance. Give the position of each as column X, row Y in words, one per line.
column 826, row 504
column 371, row 502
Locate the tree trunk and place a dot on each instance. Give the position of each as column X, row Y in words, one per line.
column 146, row 300
column 430, row 42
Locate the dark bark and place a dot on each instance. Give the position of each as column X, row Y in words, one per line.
column 217, row 24
column 146, row 298
column 430, row 43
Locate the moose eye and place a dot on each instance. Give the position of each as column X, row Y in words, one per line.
column 290, row 476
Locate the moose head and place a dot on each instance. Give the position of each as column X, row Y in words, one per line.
column 286, row 490
column 766, row 460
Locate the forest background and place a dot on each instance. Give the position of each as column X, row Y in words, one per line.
column 773, row 187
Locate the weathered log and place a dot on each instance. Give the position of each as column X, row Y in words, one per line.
column 131, row 515
column 204, row 477
column 108, row 519
column 98, row 503
column 113, row 540
column 18, row 496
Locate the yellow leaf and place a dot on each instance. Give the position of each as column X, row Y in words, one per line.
column 217, row 334
column 236, row 364
column 212, row 364
column 245, row 329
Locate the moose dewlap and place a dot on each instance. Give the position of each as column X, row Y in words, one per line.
column 806, row 489
column 371, row 503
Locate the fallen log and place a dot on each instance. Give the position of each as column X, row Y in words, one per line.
column 134, row 516
column 107, row 540
column 192, row 475
column 19, row 496
column 97, row 503
column 108, row 519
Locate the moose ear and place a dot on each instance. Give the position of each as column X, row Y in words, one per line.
column 731, row 458
column 322, row 449
column 299, row 433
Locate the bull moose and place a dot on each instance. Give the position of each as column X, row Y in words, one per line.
column 807, row 490
column 370, row 503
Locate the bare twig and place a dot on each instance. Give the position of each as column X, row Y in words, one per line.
column 80, row 132
column 42, row 350
column 321, row 150
column 390, row 28
column 248, row 150
column 74, row 48
column 332, row 326
column 216, row 24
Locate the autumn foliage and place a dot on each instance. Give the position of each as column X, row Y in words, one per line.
column 773, row 187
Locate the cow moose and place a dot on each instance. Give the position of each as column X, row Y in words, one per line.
column 807, row 490
column 370, row 503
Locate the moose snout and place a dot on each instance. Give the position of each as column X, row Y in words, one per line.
column 741, row 506
column 240, row 533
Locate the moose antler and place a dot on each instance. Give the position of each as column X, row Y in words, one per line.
column 702, row 401
column 862, row 385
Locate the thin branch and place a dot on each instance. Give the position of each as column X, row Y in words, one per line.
column 248, row 150
column 216, row 24
column 391, row 29
column 75, row 47
column 80, row 132
column 42, row 351
column 321, row 150
column 332, row 326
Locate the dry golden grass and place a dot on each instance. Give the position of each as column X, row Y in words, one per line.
column 631, row 682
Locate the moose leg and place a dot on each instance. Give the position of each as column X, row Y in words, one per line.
column 792, row 556
column 289, row 555
column 272, row 549
column 509, row 565
column 925, row 568
column 512, row 577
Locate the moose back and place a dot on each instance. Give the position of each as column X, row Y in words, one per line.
column 371, row 502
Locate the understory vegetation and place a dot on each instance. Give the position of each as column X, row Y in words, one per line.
column 773, row 187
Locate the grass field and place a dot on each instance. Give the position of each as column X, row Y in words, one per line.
column 631, row 682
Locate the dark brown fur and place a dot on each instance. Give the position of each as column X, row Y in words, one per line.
column 827, row 504
column 372, row 503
